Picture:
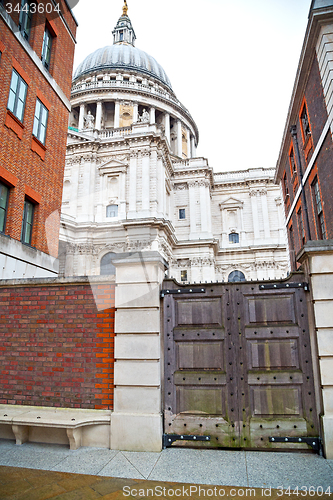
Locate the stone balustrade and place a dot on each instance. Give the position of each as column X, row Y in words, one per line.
column 115, row 132
column 104, row 84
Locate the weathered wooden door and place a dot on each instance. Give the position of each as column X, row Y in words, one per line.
column 238, row 363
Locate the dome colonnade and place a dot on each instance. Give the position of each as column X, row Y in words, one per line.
column 119, row 85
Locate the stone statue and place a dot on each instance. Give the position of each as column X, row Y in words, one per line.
column 145, row 116
column 89, row 121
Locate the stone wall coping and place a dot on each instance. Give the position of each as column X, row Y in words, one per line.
column 72, row 280
column 122, row 259
column 315, row 247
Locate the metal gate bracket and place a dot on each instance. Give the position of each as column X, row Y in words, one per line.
column 168, row 439
column 273, row 286
column 314, row 442
column 182, row 290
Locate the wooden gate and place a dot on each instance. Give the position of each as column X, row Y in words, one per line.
column 238, row 363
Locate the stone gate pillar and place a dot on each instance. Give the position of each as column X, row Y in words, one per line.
column 136, row 422
column 317, row 260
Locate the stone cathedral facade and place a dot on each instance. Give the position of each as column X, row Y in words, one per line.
column 133, row 181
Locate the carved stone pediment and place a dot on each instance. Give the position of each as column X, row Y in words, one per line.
column 231, row 203
column 112, row 167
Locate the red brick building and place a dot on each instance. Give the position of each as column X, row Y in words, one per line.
column 37, row 43
column 305, row 162
column 305, row 170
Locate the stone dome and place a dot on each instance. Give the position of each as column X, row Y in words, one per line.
column 122, row 56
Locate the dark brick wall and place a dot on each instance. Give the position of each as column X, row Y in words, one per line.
column 56, row 344
column 322, row 168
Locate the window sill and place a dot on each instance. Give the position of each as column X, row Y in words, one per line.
column 28, row 245
column 13, row 123
column 38, row 147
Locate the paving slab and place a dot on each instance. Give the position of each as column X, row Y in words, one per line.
column 33, row 455
column 143, row 462
column 288, row 469
column 218, row 467
column 85, row 460
column 120, row 466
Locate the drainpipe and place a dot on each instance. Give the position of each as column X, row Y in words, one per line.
column 293, row 132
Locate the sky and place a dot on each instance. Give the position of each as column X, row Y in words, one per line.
column 231, row 63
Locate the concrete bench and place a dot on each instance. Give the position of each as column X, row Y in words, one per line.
column 23, row 419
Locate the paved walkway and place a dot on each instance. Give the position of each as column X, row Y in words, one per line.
column 40, row 471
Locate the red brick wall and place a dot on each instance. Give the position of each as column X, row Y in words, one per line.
column 37, row 168
column 56, row 345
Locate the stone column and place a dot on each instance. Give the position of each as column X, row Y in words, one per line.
column 136, row 422
column 132, row 185
column 167, row 127
column 135, row 112
column 242, row 239
column 193, row 226
column 152, row 116
column 254, row 204
column 86, row 214
column 265, row 213
column 98, row 123
column 209, row 209
column 122, row 196
column 224, row 226
column 193, row 149
column 179, row 139
column 161, row 186
column 317, row 260
column 203, row 210
column 278, row 202
column 189, row 153
column 81, row 116
column 145, row 182
column 116, row 114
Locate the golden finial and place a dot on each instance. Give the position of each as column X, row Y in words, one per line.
column 125, row 8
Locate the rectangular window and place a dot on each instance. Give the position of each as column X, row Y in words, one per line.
column 4, row 195
column 112, row 211
column 285, row 185
column 305, row 123
column 183, row 275
column 292, row 162
column 17, row 95
column 233, row 238
column 28, row 218
column 319, row 210
column 46, row 49
column 182, row 213
column 25, row 19
column 301, row 226
column 40, row 121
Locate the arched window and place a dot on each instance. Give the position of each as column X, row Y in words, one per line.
column 112, row 211
column 106, row 264
column 233, row 238
column 236, row 276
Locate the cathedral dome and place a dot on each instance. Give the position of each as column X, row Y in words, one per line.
column 122, row 56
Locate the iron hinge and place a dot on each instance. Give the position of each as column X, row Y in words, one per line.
column 168, row 439
column 182, row 290
column 273, row 286
column 314, row 442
